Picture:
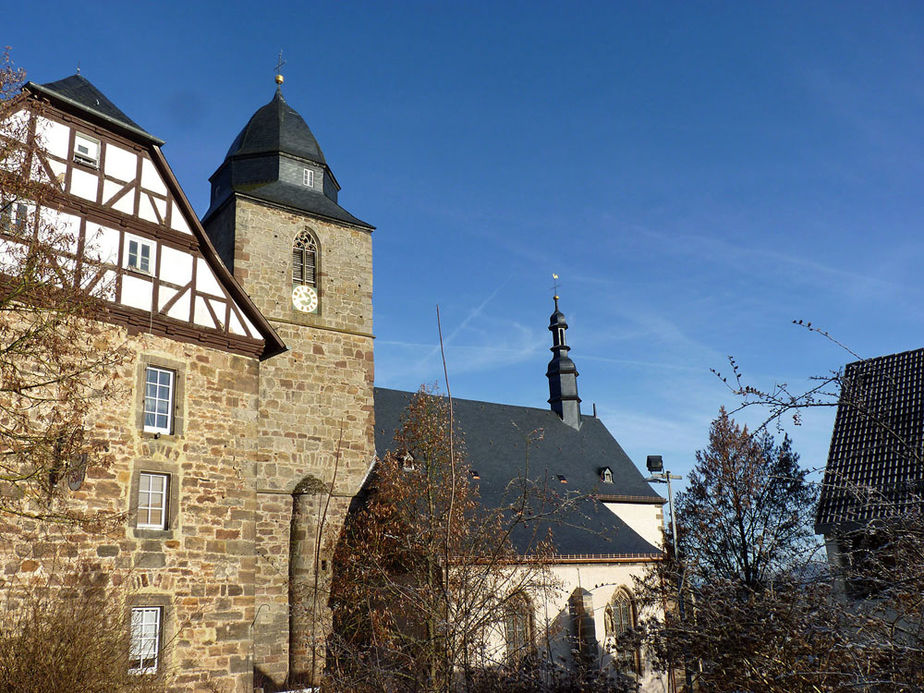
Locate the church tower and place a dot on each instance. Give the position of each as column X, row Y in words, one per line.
column 307, row 264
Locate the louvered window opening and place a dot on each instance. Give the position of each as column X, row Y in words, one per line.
column 305, row 260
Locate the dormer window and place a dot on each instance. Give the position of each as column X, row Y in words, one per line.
column 308, row 177
column 606, row 475
column 86, row 150
column 407, row 462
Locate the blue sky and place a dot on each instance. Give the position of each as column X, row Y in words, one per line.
column 698, row 174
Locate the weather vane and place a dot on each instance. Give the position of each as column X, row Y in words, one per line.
column 279, row 64
column 555, row 285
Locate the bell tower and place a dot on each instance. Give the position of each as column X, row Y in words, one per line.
column 306, row 262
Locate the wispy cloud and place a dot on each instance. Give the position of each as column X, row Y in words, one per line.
column 508, row 343
column 743, row 257
column 474, row 313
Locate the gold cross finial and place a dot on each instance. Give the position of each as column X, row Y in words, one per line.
column 279, row 64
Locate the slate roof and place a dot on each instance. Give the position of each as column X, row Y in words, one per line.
column 277, row 127
column 297, row 197
column 78, row 91
column 875, row 462
column 495, row 446
column 252, row 165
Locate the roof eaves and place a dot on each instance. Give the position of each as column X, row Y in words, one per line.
column 359, row 224
column 273, row 343
column 616, row 498
column 110, row 121
column 605, row 557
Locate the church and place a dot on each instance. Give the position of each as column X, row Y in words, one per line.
column 249, row 417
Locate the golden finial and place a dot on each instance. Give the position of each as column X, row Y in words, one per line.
column 279, row 63
column 555, row 287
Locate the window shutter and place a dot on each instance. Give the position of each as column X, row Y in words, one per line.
column 298, row 268
column 309, row 272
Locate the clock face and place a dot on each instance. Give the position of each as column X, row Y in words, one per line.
column 305, row 298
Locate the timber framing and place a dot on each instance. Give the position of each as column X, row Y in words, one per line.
column 170, row 216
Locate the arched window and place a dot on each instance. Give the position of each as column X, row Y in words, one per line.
column 618, row 617
column 305, row 260
column 518, row 626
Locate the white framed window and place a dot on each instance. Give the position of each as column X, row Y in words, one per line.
column 14, row 216
column 144, row 648
column 159, row 389
column 152, row 500
column 86, row 150
column 139, row 254
column 308, row 177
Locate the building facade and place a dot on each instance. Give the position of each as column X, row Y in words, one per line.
column 607, row 532
column 246, row 398
column 246, row 418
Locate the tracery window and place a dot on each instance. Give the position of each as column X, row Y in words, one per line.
column 518, row 626
column 618, row 617
column 305, row 260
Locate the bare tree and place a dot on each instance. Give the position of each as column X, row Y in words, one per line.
column 65, row 631
column 746, row 513
column 800, row 623
column 428, row 579
column 56, row 360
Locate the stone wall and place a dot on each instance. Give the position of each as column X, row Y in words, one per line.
column 315, row 427
column 201, row 568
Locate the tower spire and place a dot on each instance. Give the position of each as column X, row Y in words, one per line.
column 562, row 373
column 279, row 78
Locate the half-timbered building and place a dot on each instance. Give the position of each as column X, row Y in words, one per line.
column 236, row 414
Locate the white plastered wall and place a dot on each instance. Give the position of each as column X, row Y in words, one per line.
column 553, row 617
column 641, row 517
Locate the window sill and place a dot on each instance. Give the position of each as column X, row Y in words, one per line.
column 149, row 533
column 135, row 270
column 93, row 166
column 157, row 435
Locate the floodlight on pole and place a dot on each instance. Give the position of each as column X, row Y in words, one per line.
column 659, row 475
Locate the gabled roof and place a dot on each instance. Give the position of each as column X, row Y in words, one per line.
column 76, row 95
column 276, row 127
column 78, row 92
column 495, row 444
column 875, row 462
